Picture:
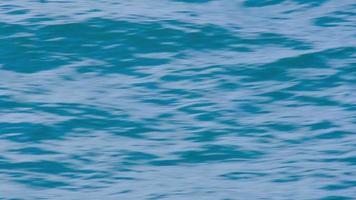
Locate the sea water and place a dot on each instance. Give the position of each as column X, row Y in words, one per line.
column 178, row 99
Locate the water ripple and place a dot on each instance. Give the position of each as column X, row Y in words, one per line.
column 177, row 99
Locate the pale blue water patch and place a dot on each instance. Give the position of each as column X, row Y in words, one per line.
column 178, row 99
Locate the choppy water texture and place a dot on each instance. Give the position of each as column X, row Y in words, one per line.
column 178, row 99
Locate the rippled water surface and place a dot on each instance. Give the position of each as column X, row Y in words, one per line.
column 178, row 99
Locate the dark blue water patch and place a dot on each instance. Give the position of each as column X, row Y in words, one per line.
column 290, row 178
column 118, row 42
column 23, row 52
column 207, row 135
column 251, row 3
column 118, row 127
column 194, row 1
column 323, row 125
column 33, row 151
column 49, row 167
column 140, row 156
column 312, row 3
column 41, row 183
column 243, row 175
column 263, row 3
column 350, row 160
column 331, row 21
column 340, row 186
column 18, row 12
column 28, row 132
column 273, row 39
column 210, row 153
column 279, row 70
column 337, row 198
column 321, row 101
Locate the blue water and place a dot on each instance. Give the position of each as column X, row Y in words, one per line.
column 178, row 99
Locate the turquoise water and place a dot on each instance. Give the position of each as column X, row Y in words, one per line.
column 178, row 99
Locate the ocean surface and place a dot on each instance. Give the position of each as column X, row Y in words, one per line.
column 178, row 99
